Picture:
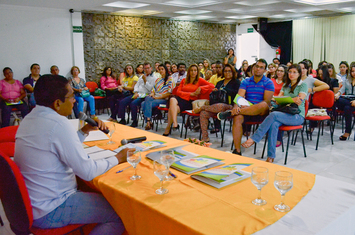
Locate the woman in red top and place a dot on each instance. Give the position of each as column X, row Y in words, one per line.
column 191, row 88
column 279, row 79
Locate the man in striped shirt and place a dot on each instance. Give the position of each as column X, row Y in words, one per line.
column 258, row 90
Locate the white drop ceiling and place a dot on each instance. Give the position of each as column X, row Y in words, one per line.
column 221, row 11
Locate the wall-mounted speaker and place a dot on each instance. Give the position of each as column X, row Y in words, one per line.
column 262, row 24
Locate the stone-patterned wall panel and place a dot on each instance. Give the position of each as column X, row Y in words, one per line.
column 111, row 40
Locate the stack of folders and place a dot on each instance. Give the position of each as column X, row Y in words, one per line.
column 224, row 175
column 195, row 164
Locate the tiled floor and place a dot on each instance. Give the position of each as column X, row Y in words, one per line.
column 334, row 161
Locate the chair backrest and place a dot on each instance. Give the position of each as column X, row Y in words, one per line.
column 92, row 86
column 14, row 196
column 323, row 99
column 7, row 134
column 306, row 105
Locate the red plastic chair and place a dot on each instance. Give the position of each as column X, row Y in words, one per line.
column 16, row 201
column 100, row 100
column 323, row 99
column 8, row 148
column 8, row 134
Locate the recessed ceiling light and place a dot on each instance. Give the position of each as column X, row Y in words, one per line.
column 192, row 17
column 321, row 2
column 126, row 4
column 190, row 4
column 235, row 10
column 192, row 12
column 307, row 9
column 135, row 12
column 347, row 9
column 278, row 16
column 240, row 17
column 252, row 3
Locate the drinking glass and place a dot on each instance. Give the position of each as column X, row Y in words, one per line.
column 110, row 134
column 259, row 177
column 167, row 159
column 283, row 182
column 161, row 172
column 134, row 158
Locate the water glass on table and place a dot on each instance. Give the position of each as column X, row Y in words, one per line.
column 284, row 183
column 167, row 159
column 110, row 134
column 161, row 172
column 134, row 158
column 259, row 177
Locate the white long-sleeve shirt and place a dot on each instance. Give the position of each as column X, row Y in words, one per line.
column 142, row 87
column 49, row 154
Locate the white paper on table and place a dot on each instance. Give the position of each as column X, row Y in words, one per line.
column 102, row 154
column 96, row 135
column 93, row 149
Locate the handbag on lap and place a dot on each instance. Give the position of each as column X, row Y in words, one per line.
column 219, row 96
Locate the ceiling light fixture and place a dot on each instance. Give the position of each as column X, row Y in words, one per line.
column 190, row 4
column 192, row 12
column 136, row 12
column 321, row 2
column 240, row 17
column 126, row 4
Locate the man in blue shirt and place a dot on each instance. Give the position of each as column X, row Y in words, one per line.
column 258, row 90
column 49, row 154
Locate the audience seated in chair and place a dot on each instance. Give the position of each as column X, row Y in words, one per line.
column 128, row 83
column 295, row 88
column 191, row 88
column 179, row 76
column 346, row 105
column 79, row 87
column 11, row 91
column 30, row 82
column 141, row 89
column 230, row 84
column 49, row 154
column 219, row 75
column 162, row 90
column 258, row 90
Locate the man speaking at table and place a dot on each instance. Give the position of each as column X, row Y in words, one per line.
column 49, row 154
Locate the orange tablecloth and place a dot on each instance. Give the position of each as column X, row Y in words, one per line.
column 192, row 207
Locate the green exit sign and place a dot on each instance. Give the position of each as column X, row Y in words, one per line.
column 77, row 29
column 250, row 30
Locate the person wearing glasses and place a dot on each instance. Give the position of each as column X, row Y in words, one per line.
column 258, row 90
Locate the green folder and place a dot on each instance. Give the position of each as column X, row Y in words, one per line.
column 283, row 100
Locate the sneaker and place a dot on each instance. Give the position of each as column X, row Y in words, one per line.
column 134, row 123
column 224, row 115
column 123, row 122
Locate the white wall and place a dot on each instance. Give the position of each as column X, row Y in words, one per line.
column 250, row 45
column 36, row 35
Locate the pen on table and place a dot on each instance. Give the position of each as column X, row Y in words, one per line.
column 123, row 169
column 172, row 174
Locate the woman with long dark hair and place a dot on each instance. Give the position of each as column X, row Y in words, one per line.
column 280, row 78
column 347, row 105
column 162, row 90
column 343, row 70
column 191, row 88
column 230, row 58
column 297, row 90
column 230, row 84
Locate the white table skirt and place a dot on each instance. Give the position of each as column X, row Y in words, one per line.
column 329, row 208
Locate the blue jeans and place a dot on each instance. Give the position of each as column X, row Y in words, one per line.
column 7, row 109
column 149, row 104
column 84, row 208
column 31, row 100
column 133, row 104
column 271, row 125
column 91, row 102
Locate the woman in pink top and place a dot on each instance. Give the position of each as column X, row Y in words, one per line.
column 191, row 88
column 113, row 91
column 11, row 95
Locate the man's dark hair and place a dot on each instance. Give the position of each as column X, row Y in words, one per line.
column 33, row 65
column 219, row 62
column 146, row 63
column 262, row 61
column 276, row 59
column 49, row 88
column 179, row 64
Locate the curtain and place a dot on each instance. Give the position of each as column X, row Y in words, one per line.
column 279, row 35
column 330, row 39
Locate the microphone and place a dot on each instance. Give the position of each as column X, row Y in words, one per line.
column 133, row 140
column 84, row 117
